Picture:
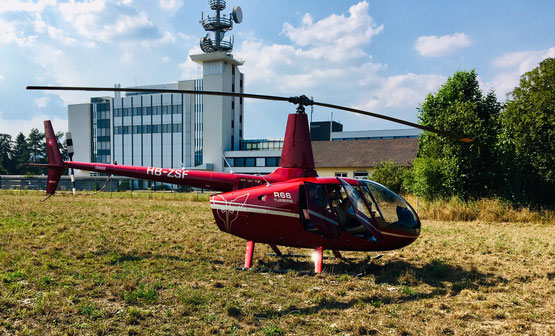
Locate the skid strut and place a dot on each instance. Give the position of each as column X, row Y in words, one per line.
column 317, row 257
column 276, row 250
column 248, row 254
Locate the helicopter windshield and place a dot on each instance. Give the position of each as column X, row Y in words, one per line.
column 392, row 210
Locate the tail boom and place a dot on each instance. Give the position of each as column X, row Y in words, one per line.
column 193, row 178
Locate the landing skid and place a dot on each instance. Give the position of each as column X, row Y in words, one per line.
column 317, row 257
column 290, row 255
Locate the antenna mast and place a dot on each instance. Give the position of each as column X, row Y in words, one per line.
column 219, row 25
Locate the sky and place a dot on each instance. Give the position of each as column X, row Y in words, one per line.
column 381, row 56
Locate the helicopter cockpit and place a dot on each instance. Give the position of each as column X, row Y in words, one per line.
column 362, row 210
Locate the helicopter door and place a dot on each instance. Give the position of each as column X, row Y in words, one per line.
column 361, row 212
column 319, row 210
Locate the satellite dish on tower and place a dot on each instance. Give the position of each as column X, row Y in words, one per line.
column 237, row 14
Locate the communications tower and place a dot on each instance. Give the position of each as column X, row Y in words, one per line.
column 219, row 24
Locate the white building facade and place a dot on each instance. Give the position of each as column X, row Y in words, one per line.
column 165, row 130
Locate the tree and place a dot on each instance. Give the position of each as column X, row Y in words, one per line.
column 466, row 170
column 36, row 145
column 20, row 155
column 389, row 174
column 60, row 137
column 527, row 137
column 5, row 153
column 425, row 179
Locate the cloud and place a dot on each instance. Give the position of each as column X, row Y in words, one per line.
column 41, row 102
column 128, row 57
column 324, row 51
column 285, row 68
column 15, row 126
column 9, row 33
column 171, row 4
column 514, row 65
column 2, row 77
column 98, row 20
column 434, row 46
column 25, row 6
column 58, row 67
column 405, row 91
column 54, row 33
column 337, row 37
column 190, row 69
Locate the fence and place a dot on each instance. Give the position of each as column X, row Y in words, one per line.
column 116, row 183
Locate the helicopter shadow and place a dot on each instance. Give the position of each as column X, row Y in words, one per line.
column 395, row 287
column 442, row 277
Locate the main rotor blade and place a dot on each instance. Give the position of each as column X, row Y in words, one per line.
column 145, row 90
column 399, row 121
column 303, row 100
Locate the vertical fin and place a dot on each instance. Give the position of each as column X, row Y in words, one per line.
column 55, row 161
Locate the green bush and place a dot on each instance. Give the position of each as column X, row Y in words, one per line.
column 425, row 179
column 390, row 175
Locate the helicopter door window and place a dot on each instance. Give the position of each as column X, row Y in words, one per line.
column 320, row 211
column 361, row 212
column 241, row 183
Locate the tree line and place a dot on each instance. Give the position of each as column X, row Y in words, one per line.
column 31, row 149
column 512, row 157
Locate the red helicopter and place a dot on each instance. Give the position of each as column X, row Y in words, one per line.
column 291, row 206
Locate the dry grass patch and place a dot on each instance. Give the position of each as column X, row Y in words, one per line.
column 487, row 210
column 136, row 265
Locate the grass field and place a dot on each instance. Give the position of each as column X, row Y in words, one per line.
column 157, row 265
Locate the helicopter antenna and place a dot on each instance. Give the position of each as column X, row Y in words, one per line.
column 331, row 124
column 230, row 169
column 311, row 109
column 267, row 183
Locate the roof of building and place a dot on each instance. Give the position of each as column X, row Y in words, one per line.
column 364, row 153
column 400, row 132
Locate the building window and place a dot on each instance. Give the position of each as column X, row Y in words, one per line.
column 272, row 161
column 198, row 135
column 239, row 162
column 361, row 175
column 250, row 162
column 342, row 174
